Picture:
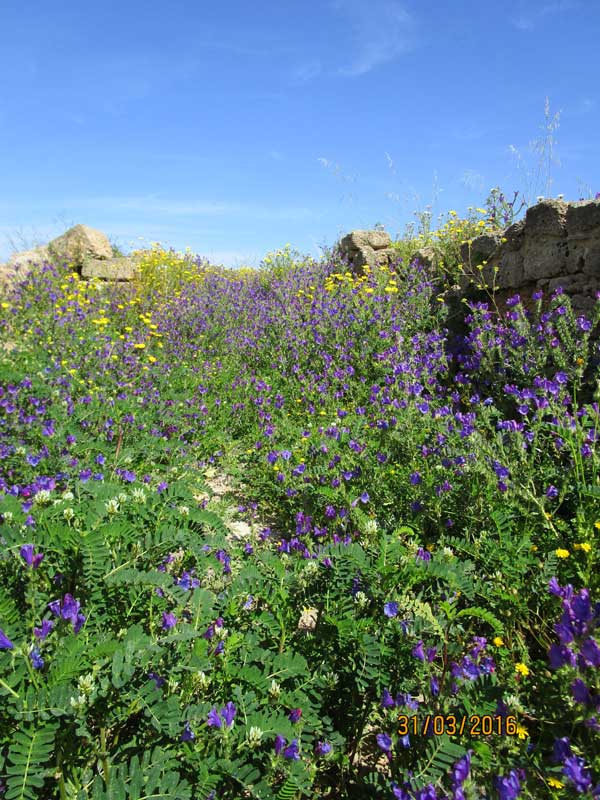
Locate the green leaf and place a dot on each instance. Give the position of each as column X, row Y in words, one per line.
column 30, row 749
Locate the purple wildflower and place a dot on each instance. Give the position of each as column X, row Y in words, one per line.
column 228, row 713
column 41, row 633
column 169, row 620
column 214, row 720
column 36, row 658
column 31, row 560
column 391, row 609
column 384, row 741
column 154, row 676
column 387, row 701
column 581, row 693
column 460, row 771
column 292, row 751
column 562, row 749
column 418, row 651
column 509, row 786
column 188, row 734
column 575, row 770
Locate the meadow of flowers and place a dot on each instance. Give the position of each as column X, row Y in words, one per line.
column 412, row 612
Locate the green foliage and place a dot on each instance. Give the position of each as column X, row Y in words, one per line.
column 406, row 508
column 27, row 759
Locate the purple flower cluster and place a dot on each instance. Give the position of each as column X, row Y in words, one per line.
column 225, row 718
column 68, row 608
column 475, row 664
column 291, row 750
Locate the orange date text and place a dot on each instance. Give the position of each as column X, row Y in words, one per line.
column 441, row 724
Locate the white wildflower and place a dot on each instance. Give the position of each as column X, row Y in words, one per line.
column 202, row 680
column 275, row 690
column 254, row 736
column 139, row 495
column 112, row 505
column 361, row 599
column 42, row 497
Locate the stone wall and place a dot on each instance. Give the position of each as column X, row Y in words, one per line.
column 556, row 244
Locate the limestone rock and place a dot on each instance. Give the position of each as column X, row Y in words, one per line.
column 30, row 257
column 548, row 218
column 367, row 248
column 426, row 256
column 356, row 240
column 480, row 249
column 80, row 243
column 110, row 269
column 20, row 263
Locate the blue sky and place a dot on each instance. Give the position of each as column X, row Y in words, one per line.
column 234, row 128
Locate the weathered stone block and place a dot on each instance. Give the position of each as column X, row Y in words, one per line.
column 548, row 218
column 510, row 270
column 427, row 257
column 583, row 219
column 113, row 269
column 544, row 258
column 27, row 258
column 80, row 243
column 356, row 240
column 480, row 249
column 514, row 236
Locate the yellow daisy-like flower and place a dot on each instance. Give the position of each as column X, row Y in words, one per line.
column 585, row 546
column 522, row 732
column 139, row 345
column 562, row 553
column 523, row 669
column 597, row 524
column 555, row 783
column 498, row 641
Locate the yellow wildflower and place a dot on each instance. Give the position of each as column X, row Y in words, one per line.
column 585, row 546
column 555, row 783
column 522, row 732
column 523, row 669
column 562, row 553
column 498, row 641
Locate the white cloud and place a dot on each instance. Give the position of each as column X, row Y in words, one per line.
column 382, row 30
